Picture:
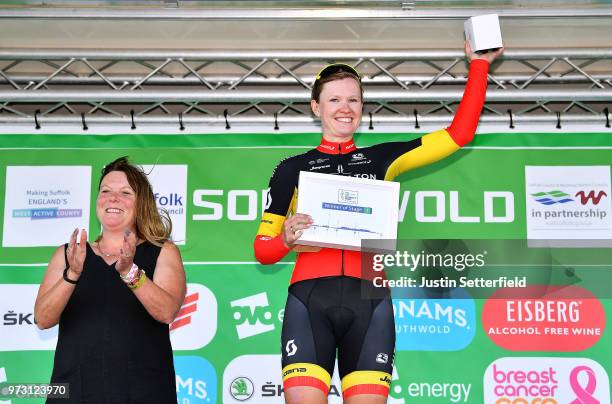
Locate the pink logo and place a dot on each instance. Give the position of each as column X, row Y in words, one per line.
column 584, row 395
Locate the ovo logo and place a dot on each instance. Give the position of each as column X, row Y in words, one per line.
column 252, row 315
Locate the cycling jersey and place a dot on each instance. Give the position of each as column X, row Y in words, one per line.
column 383, row 162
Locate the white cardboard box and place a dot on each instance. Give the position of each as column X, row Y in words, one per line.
column 483, row 32
column 346, row 210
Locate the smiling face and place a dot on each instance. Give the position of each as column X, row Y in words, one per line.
column 116, row 204
column 340, row 109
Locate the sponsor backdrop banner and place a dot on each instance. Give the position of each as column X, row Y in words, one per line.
column 457, row 349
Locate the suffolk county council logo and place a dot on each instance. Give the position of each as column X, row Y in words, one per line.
column 242, row 388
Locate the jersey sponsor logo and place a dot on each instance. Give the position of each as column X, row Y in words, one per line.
column 294, row 370
column 355, row 163
column 318, row 161
column 357, row 157
column 196, row 380
column 196, row 322
column 268, row 199
column 564, row 319
column 545, row 380
column 253, row 315
column 291, row 348
column 18, row 327
column 319, row 167
column 264, row 373
column 327, row 147
column 382, row 358
column 435, row 324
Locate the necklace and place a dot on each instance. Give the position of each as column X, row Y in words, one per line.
column 105, row 254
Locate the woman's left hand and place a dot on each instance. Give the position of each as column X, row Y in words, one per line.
column 126, row 258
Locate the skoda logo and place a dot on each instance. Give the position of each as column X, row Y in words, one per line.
column 242, row 388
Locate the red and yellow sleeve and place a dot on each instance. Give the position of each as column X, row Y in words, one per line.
column 441, row 143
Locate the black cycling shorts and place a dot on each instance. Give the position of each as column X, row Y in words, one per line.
column 325, row 314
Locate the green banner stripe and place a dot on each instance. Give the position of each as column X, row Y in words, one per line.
column 292, row 140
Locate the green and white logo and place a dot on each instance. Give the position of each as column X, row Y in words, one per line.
column 242, row 388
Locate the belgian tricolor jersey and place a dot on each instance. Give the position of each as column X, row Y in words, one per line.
column 384, row 161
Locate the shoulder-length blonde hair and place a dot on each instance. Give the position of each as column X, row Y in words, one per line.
column 152, row 224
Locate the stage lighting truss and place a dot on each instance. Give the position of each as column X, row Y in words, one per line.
column 273, row 87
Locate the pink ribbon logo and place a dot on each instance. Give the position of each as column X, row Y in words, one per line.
column 584, row 395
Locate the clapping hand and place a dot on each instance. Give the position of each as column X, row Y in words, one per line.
column 126, row 257
column 76, row 252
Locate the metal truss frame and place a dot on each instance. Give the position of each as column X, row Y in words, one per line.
column 252, row 87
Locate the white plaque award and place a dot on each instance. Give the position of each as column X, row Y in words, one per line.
column 483, row 32
column 346, row 210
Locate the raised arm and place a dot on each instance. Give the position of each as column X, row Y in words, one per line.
column 439, row 144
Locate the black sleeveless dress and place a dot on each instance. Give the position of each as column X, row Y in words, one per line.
column 109, row 348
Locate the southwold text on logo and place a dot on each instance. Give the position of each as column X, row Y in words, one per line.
column 247, row 205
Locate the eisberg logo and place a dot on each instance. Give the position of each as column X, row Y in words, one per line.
column 17, row 325
column 196, row 380
column 434, row 324
column 196, row 322
column 252, row 315
column 565, row 319
column 546, row 380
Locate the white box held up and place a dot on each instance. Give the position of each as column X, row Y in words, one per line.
column 346, row 210
column 483, row 32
